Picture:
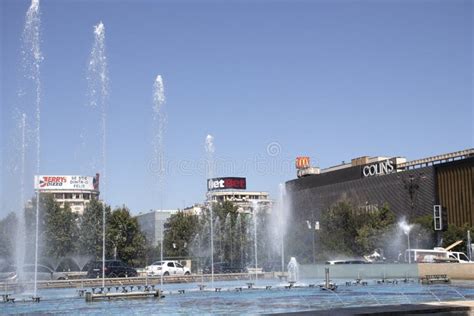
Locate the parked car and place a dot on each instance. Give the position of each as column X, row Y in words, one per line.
column 223, row 267
column 44, row 273
column 113, row 269
column 166, row 267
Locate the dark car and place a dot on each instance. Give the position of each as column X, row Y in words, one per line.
column 223, row 267
column 113, row 269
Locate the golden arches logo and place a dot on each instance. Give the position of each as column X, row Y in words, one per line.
column 302, row 162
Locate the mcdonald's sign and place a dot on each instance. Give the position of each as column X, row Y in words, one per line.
column 302, row 162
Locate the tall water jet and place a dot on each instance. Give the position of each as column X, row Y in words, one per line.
column 255, row 207
column 99, row 90
column 21, row 231
column 238, row 227
column 406, row 228
column 209, row 147
column 32, row 58
column 158, row 148
column 281, row 219
column 218, row 237
column 229, row 238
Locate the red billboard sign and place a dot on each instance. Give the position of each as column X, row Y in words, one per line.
column 226, row 183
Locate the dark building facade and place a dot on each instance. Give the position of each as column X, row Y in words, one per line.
column 454, row 190
column 409, row 189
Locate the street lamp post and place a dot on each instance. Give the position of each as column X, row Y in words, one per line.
column 316, row 227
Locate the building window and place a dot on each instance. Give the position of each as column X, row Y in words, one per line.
column 86, row 196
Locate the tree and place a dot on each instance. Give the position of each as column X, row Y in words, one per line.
column 371, row 226
column 90, row 237
column 455, row 233
column 180, row 230
column 61, row 230
column 423, row 232
column 338, row 229
column 351, row 231
column 7, row 236
column 124, row 235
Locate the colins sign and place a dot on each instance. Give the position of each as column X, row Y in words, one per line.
column 226, row 183
column 383, row 167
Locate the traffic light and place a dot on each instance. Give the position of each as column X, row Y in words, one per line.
column 438, row 222
column 440, row 218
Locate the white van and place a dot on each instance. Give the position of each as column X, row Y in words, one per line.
column 436, row 255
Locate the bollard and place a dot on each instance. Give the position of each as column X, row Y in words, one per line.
column 88, row 297
column 326, row 273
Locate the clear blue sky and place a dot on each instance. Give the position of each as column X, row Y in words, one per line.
column 329, row 79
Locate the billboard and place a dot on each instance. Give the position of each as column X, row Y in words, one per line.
column 54, row 182
column 302, row 162
column 226, row 183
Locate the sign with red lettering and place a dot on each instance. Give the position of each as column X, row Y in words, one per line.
column 49, row 183
column 226, row 183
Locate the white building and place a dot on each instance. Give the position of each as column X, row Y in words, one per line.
column 152, row 224
column 76, row 191
column 244, row 200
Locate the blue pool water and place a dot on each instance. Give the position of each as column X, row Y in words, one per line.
column 254, row 301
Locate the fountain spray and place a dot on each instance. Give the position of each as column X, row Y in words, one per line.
column 32, row 58
column 406, row 228
column 255, row 207
column 159, row 121
column 99, row 90
column 20, row 232
column 209, row 146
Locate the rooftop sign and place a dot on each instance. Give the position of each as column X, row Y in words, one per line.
column 226, row 183
column 55, row 182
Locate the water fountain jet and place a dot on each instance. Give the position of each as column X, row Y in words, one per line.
column 32, row 58
column 99, row 90
column 209, row 147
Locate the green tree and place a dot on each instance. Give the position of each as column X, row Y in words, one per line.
column 455, row 233
column 352, row 231
column 338, row 229
column 90, row 236
column 423, row 232
column 60, row 229
column 7, row 236
column 124, row 235
column 180, row 231
column 370, row 227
